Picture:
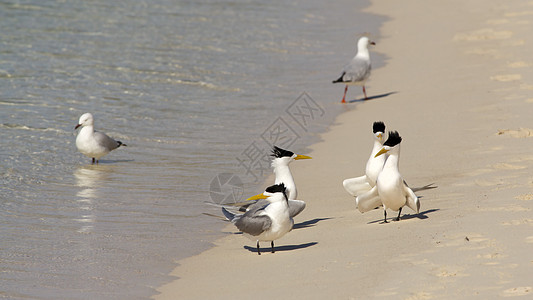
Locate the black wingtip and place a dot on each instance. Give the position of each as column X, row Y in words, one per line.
column 121, row 144
column 339, row 79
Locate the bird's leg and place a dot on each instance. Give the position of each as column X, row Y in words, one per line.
column 272, row 245
column 93, row 160
column 364, row 92
column 258, row 250
column 344, row 97
column 385, row 214
column 399, row 212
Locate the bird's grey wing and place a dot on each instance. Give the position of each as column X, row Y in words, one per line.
column 258, row 205
column 229, row 215
column 296, row 207
column 253, row 224
column 356, row 70
column 105, row 141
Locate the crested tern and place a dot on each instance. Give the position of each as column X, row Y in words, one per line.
column 280, row 165
column 92, row 143
column 391, row 190
column 267, row 223
column 357, row 71
column 362, row 184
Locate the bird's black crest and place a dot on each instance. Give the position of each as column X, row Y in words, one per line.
column 276, row 188
column 393, row 140
column 378, row 127
column 278, row 152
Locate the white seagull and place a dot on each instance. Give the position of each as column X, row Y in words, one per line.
column 280, row 164
column 362, row 184
column 266, row 223
column 92, row 143
column 391, row 190
column 357, row 71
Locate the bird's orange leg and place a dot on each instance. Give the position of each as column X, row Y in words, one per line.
column 343, row 97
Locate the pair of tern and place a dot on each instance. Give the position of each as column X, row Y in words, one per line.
column 271, row 215
column 382, row 184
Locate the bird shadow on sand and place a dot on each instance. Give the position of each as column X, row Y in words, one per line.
column 372, row 98
column 421, row 215
column 309, row 223
column 281, row 248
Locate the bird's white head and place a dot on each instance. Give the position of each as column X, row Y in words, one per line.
column 273, row 193
column 284, row 157
column 85, row 120
column 379, row 131
column 392, row 142
column 363, row 43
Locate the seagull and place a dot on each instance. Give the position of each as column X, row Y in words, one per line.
column 92, row 143
column 359, row 185
column 391, row 190
column 280, row 164
column 267, row 223
column 357, row 71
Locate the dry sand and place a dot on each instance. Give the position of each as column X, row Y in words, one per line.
column 463, row 102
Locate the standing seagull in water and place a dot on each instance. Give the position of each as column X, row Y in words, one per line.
column 92, row 143
column 266, row 223
column 390, row 190
column 357, row 71
column 358, row 185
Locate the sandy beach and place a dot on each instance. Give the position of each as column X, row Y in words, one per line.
column 458, row 86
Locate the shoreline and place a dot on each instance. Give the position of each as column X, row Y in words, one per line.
column 459, row 99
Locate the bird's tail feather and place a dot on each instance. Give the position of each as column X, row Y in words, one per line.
column 339, row 79
column 229, row 215
column 423, row 188
column 215, row 216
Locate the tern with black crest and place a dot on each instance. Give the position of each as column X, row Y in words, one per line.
column 281, row 159
column 362, row 184
column 265, row 223
column 391, row 191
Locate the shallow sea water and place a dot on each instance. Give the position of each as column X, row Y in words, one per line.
column 198, row 90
